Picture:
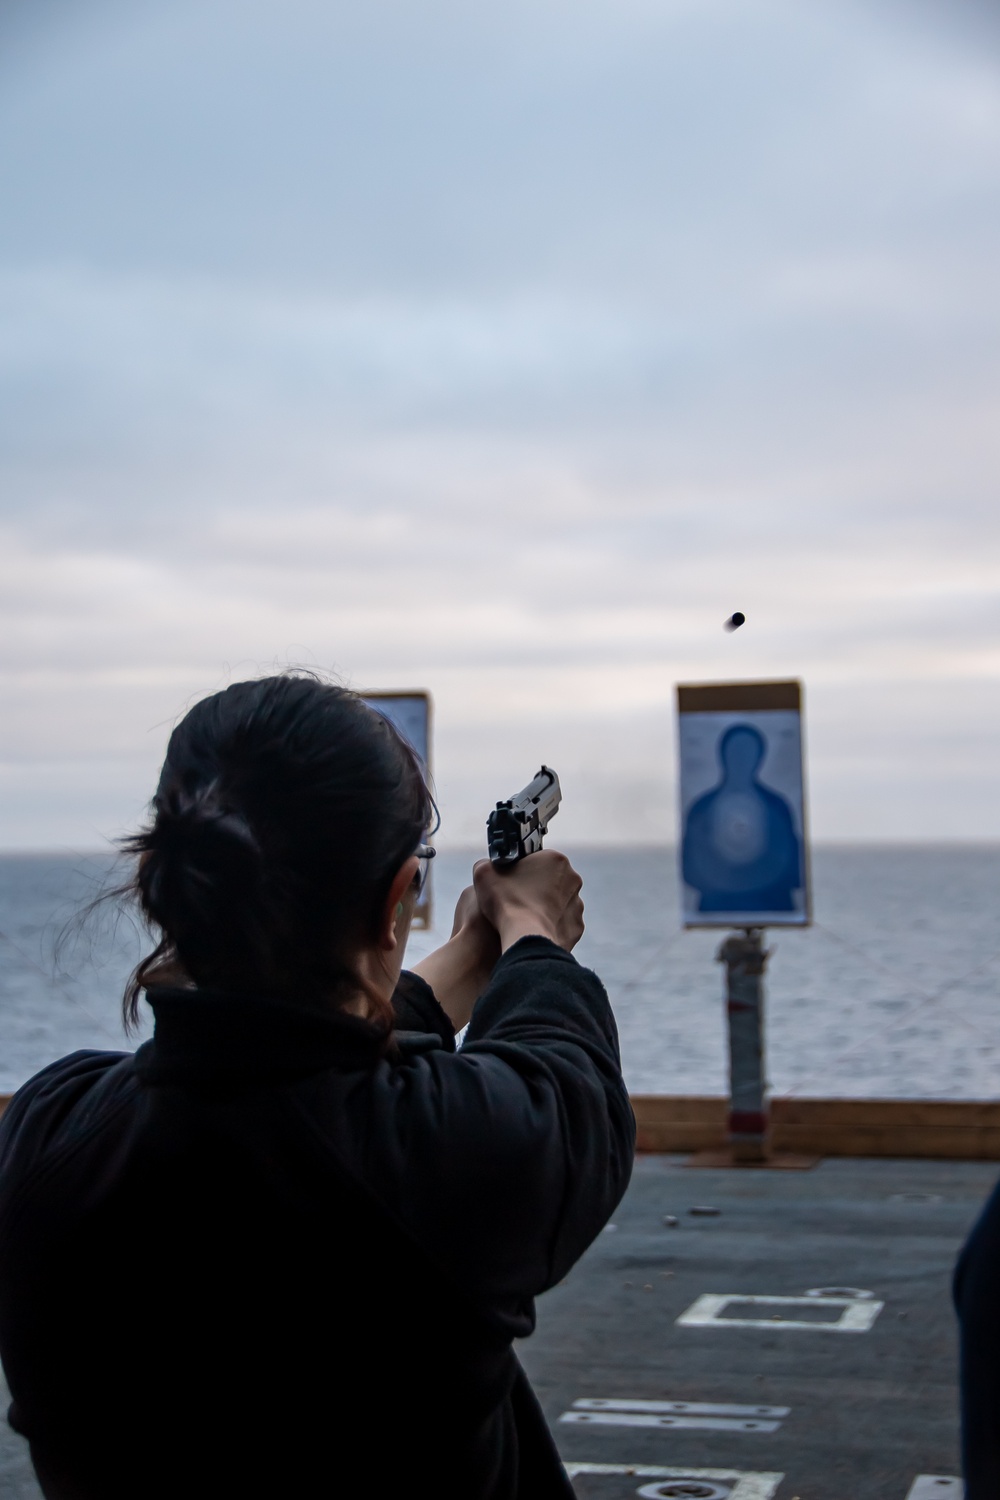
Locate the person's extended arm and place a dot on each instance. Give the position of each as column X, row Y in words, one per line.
column 459, row 971
column 538, row 897
column 505, row 1160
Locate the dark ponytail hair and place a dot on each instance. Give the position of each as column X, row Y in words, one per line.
column 284, row 809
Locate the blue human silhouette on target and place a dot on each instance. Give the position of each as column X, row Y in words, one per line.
column 740, row 850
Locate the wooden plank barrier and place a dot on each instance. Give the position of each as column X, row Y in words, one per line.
column 959, row 1129
column 947, row 1129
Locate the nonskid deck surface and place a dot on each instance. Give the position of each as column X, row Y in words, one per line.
column 797, row 1342
column 694, row 1361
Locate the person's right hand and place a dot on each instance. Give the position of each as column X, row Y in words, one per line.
column 537, row 897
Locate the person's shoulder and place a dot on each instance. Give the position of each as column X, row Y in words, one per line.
column 73, row 1088
column 82, row 1067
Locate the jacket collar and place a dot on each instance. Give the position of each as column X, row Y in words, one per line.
column 216, row 1037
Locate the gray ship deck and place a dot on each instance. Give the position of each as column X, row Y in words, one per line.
column 869, row 1410
column 870, row 1407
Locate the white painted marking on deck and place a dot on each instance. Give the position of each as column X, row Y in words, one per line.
column 857, row 1316
column 647, row 1419
column 695, row 1408
column 856, row 1293
column 936, row 1487
column 746, row 1485
column 709, row 1416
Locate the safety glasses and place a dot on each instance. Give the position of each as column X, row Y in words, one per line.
column 425, row 853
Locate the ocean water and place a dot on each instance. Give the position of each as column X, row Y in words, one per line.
column 893, row 993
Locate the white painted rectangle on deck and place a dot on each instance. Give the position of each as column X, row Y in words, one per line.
column 650, row 1419
column 745, row 1485
column 690, row 1408
column 857, row 1315
column 936, row 1487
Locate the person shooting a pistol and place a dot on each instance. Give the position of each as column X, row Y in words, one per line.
column 284, row 1248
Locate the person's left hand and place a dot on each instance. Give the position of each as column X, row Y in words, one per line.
column 477, row 937
column 469, row 920
column 460, row 971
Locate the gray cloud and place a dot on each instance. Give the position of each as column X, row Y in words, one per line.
column 507, row 355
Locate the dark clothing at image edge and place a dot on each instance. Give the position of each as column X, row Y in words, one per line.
column 977, row 1302
column 258, row 1257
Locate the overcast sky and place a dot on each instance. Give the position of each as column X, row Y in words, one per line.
column 503, row 351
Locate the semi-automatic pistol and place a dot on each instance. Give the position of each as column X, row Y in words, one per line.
column 518, row 825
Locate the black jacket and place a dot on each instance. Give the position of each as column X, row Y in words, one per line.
column 259, row 1258
column 977, row 1301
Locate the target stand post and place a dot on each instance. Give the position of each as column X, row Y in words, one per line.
column 749, row 1123
column 745, row 958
